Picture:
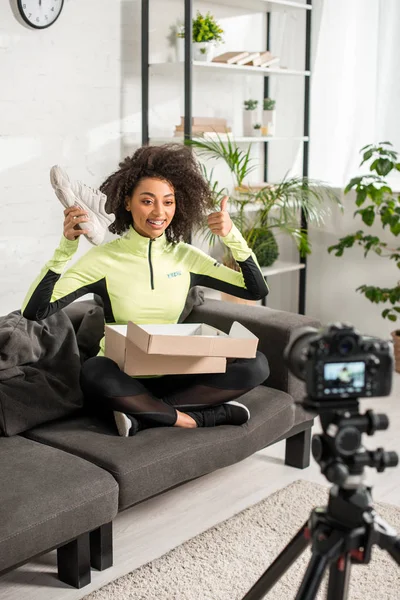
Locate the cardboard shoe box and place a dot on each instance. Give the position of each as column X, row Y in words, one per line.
column 176, row 349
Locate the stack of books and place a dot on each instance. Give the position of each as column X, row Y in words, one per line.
column 201, row 125
column 253, row 188
column 249, row 59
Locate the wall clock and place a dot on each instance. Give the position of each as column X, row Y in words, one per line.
column 40, row 13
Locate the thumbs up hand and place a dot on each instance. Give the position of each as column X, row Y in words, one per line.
column 220, row 222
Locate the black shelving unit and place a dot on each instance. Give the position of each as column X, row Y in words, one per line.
column 188, row 94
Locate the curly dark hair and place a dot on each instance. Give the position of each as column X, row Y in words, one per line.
column 173, row 163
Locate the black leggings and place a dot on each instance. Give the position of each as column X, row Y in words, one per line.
column 153, row 400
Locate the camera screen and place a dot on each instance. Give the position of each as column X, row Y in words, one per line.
column 344, row 378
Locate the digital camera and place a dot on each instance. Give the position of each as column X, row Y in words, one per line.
column 337, row 362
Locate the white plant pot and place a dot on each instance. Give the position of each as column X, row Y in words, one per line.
column 256, row 132
column 249, row 120
column 203, row 51
column 269, row 121
column 180, row 49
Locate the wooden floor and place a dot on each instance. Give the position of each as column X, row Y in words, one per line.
column 158, row 525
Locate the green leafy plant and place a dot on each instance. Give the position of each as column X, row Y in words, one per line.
column 250, row 104
column 206, row 29
column 257, row 126
column 376, row 200
column 269, row 104
column 259, row 212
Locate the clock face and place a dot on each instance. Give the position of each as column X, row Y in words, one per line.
column 40, row 13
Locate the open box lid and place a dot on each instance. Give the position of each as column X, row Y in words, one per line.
column 193, row 339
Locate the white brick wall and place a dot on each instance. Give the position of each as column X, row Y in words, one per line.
column 71, row 95
column 60, row 103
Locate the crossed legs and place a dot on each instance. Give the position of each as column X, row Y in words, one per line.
column 166, row 400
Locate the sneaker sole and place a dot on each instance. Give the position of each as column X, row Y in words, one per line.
column 123, row 423
column 234, row 403
column 58, row 177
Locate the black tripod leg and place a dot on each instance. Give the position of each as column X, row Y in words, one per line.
column 281, row 564
column 339, row 578
column 394, row 550
column 391, row 544
column 312, row 579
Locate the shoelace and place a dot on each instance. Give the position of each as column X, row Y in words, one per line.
column 94, row 190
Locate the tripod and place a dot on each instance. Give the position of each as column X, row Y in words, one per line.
column 344, row 532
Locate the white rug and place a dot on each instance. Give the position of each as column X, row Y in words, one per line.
column 225, row 561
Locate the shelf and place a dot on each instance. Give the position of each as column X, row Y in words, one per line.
column 171, row 68
column 281, row 266
column 223, row 137
column 264, row 5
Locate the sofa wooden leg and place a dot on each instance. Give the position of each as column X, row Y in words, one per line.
column 101, row 547
column 298, row 448
column 73, row 561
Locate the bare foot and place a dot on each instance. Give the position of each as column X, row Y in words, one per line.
column 183, row 420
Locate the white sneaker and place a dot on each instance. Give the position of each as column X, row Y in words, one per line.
column 76, row 193
column 123, row 423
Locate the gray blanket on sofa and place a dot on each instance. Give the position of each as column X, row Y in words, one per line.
column 39, row 371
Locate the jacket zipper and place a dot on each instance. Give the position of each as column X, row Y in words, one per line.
column 151, row 266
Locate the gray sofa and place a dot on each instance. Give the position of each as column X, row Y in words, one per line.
column 68, row 477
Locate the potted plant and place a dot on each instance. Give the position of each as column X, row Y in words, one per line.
column 249, row 116
column 206, row 34
column 269, row 116
column 180, row 42
column 384, row 205
column 257, row 129
column 260, row 212
column 176, row 40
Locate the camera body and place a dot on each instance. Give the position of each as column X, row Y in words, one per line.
column 339, row 363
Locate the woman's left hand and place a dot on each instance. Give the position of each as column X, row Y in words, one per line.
column 220, row 222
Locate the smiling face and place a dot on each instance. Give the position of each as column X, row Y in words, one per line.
column 152, row 206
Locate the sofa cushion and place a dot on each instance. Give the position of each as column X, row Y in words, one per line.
column 160, row 458
column 48, row 497
column 39, row 371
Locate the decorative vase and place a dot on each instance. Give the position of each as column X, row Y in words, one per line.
column 249, row 120
column 396, row 347
column 180, row 49
column 265, row 247
column 203, row 51
column 269, row 121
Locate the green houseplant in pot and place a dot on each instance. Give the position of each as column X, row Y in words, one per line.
column 206, row 34
column 179, row 41
column 376, row 202
column 269, row 116
column 260, row 212
column 257, row 129
column 249, row 116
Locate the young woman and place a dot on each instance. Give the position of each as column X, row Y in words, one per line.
column 157, row 196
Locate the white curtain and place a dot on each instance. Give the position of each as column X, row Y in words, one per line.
column 355, row 90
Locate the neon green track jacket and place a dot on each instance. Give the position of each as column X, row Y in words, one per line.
column 141, row 279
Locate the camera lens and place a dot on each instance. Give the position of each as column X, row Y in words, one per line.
column 346, row 346
column 295, row 353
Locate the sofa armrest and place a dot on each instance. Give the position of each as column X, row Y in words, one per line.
column 272, row 327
